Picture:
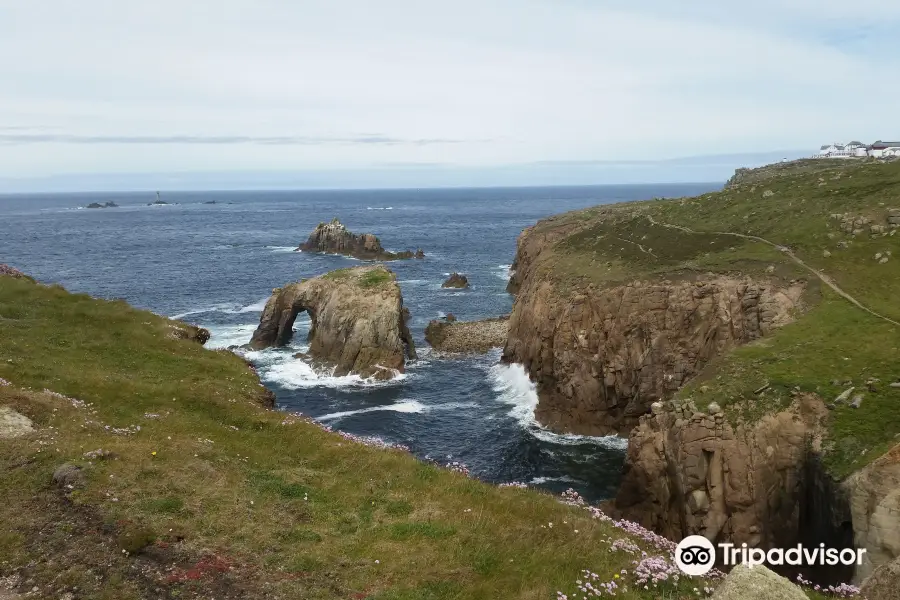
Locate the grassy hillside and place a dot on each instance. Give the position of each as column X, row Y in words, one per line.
column 189, row 487
column 833, row 215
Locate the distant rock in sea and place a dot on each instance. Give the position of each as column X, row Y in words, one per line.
column 335, row 238
column 104, row 205
column 456, row 281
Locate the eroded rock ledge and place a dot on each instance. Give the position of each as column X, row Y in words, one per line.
column 358, row 321
column 600, row 357
column 335, row 238
column 459, row 337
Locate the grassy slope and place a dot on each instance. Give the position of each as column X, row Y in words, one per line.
column 833, row 341
column 237, row 500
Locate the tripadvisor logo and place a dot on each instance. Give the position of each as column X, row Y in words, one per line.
column 695, row 555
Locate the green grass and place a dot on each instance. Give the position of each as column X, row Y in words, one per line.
column 218, row 495
column 790, row 205
column 369, row 278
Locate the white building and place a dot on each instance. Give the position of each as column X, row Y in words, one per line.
column 884, row 149
column 853, row 149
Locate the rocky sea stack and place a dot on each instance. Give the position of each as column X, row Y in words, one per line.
column 458, row 337
column 335, row 238
column 104, row 205
column 358, row 321
column 456, row 281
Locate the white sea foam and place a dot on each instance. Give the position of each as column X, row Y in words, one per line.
column 515, row 388
column 296, row 374
column 563, row 479
column 379, row 208
column 257, row 306
column 223, row 336
column 282, row 248
column 404, row 406
column 504, row 272
column 230, row 309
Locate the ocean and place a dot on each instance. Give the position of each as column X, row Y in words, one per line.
column 216, row 264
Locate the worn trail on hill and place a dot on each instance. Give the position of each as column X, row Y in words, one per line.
column 787, row 251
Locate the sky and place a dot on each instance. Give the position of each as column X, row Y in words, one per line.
column 100, row 93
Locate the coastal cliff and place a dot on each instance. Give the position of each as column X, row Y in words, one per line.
column 600, row 357
column 335, row 238
column 770, row 301
column 358, row 321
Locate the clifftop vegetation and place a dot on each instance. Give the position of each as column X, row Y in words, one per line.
column 831, row 223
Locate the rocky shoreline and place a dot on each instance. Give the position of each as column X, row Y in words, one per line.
column 463, row 337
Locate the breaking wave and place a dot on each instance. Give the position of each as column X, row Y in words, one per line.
column 515, row 389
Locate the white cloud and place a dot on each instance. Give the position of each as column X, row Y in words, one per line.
column 521, row 81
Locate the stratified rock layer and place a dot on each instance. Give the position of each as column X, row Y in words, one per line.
column 358, row 321
column 335, row 238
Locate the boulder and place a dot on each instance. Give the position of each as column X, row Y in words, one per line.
column 884, row 583
column 456, row 281
column 358, row 321
column 456, row 337
column 184, row 331
column 335, row 238
column 757, row 583
column 68, row 476
column 13, row 424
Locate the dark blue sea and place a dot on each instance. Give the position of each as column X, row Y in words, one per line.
column 215, row 265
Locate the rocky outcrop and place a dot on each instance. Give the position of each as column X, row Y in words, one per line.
column 184, row 331
column 335, row 238
column 457, row 337
column 757, row 583
column 456, row 281
column 874, row 493
column 13, row 424
column 884, row 583
column 358, row 321
column 694, row 472
column 104, row 205
column 600, row 357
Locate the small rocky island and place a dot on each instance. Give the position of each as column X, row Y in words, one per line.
column 358, row 321
column 456, row 281
column 104, row 205
column 461, row 337
column 335, row 238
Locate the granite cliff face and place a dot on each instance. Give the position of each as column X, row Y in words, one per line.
column 774, row 301
column 600, row 357
column 693, row 472
column 358, row 321
column 874, row 496
column 335, row 238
